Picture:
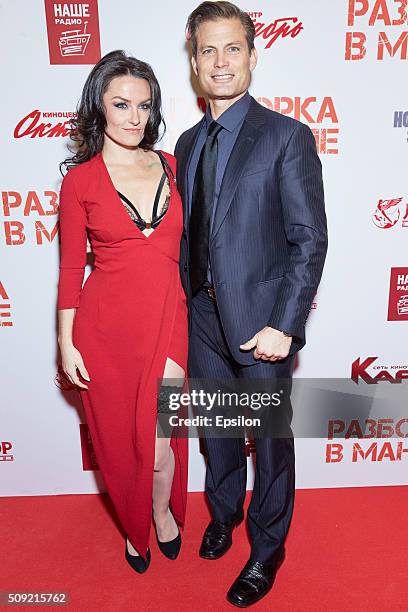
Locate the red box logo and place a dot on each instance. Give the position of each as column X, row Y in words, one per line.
column 73, row 32
column 398, row 301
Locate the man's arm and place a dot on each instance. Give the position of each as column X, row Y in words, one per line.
column 302, row 197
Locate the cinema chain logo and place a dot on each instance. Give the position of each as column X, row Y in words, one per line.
column 398, row 300
column 371, row 372
column 73, row 32
column 37, row 124
column 273, row 30
column 383, row 20
column 25, row 217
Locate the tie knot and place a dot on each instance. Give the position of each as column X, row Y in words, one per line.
column 214, row 129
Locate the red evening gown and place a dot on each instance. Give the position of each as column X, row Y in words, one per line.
column 131, row 315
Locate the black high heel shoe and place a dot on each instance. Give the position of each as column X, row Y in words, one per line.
column 170, row 549
column 137, row 562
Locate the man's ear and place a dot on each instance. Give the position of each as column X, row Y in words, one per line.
column 253, row 59
column 194, row 65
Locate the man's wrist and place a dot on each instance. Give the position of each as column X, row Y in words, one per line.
column 285, row 333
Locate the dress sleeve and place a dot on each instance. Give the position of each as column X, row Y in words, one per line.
column 72, row 219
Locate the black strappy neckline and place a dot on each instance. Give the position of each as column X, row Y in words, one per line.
column 140, row 222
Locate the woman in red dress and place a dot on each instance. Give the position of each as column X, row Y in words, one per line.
column 126, row 328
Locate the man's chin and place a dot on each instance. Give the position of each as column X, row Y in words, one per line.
column 225, row 95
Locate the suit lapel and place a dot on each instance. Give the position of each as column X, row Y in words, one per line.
column 244, row 144
column 183, row 164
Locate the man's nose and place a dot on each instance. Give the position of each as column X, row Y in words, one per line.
column 221, row 59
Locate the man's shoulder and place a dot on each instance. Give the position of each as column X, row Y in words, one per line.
column 186, row 136
column 273, row 120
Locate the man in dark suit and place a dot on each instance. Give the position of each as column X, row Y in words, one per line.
column 252, row 254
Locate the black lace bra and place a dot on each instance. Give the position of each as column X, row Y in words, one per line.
column 156, row 218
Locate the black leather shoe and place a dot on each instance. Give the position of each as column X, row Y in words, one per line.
column 170, row 549
column 253, row 583
column 137, row 563
column 217, row 538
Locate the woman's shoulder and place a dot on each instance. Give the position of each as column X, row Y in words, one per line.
column 80, row 172
column 171, row 160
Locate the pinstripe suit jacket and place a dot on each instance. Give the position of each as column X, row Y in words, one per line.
column 269, row 236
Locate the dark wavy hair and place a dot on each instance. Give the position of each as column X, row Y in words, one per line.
column 87, row 128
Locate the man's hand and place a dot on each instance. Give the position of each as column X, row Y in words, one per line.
column 270, row 344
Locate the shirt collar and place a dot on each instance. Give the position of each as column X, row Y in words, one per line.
column 233, row 116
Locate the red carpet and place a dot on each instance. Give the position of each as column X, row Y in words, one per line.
column 347, row 550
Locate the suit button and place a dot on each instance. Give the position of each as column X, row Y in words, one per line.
column 185, row 267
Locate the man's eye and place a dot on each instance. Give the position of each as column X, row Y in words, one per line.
column 234, row 49
column 207, row 51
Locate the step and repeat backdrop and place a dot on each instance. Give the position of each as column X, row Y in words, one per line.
column 341, row 68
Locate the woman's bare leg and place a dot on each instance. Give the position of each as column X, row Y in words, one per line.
column 164, row 471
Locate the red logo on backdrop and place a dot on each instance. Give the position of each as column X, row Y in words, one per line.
column 320, row 114
column 389, row 212
column 5, row 306
column 391, row 40
column 398, row 301
column 278, row 28
column 30, row 126
column 5, row 454
column 373, row 373
column 73, row 32
column 26, row 206
column 89, row 461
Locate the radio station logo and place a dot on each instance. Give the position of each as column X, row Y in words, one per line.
column 401, row 120
column 5, row 451
column 373, row 373
column 37, row 125
column 319, row 113
column 89, row 461
column 5, row 308
column 269, row 31
column 398, row 299
column 382, row 29
column 25, row 217
column 73, row 32
column 391, row 212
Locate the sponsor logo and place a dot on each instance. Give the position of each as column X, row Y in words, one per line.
column 398, row 299
column 89, row 461
column 26, row 206
column 31, row 125
column 73, row 32
column 372, row 373
column 389, row 212
column 401, row 120
column 5, row 451
column 385, row 30
column 269, row 31
column 5, row 308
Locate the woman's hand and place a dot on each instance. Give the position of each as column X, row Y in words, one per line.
column 71, row 361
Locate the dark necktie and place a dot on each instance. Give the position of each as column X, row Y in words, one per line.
column 201, row 208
